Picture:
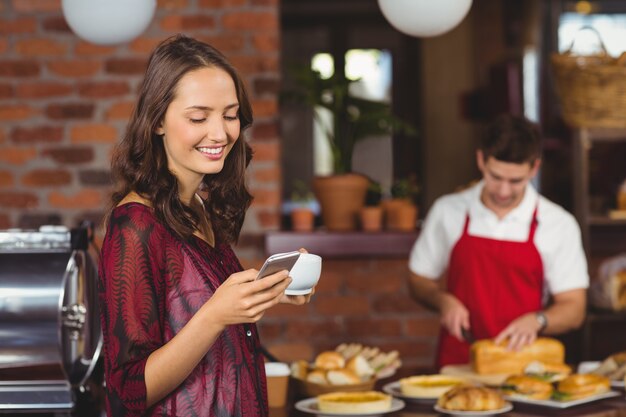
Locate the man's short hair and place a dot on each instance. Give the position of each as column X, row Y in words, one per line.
column 511, row 139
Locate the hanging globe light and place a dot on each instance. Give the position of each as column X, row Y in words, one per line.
column 108, row 22
column 424, row 18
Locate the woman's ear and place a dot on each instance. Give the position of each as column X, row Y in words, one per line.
column 159, row 130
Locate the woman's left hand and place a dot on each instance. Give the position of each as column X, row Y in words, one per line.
column 298, row 299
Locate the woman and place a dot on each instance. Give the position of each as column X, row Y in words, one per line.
column 177, row 309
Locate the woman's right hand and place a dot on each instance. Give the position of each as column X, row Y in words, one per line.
column 243, row 298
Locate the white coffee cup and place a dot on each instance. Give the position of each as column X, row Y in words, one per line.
column 277, row 382
column 305, row 274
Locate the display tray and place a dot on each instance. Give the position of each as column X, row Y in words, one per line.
column 563, row 404
column 310, row 406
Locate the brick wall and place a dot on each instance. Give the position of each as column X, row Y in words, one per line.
column 65, row 102
column 357, row 300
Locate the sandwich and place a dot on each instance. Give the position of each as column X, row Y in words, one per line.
column 578, row 386
column 525, row 386
column 547, row 371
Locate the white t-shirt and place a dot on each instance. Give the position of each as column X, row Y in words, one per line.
column 557, row 237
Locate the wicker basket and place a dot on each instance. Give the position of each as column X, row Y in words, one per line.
column 592, row 89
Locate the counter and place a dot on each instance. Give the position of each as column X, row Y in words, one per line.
column 612, row 407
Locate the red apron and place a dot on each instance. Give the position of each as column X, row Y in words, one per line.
column 497, row 281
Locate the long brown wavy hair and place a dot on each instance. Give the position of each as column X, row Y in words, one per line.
column 139, row 161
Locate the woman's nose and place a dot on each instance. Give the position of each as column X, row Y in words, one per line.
column 216, row 130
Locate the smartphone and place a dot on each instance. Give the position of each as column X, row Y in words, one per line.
column 278, row 262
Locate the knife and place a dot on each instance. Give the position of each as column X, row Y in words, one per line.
column 467, row 335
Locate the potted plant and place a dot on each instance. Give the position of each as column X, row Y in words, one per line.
column 342, row 195
column 371, row 214
column 401, row 211
column 302, row 214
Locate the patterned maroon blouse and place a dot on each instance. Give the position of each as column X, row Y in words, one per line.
column 151, row 284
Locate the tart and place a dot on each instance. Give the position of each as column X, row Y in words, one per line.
column 354, row 402
column 428, row 386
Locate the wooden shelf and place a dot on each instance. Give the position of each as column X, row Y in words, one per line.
column 606, row 221
column 343, row 244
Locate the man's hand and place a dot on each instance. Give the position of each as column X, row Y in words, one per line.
column 520, row 332
column 454, row 315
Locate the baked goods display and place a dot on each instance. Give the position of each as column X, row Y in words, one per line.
column 350, row 367
column 429, row 386
column 525, row 386
column 471, row 398
column 354, row 402
column 577, row 386
column 550, row 372
column 487, row 357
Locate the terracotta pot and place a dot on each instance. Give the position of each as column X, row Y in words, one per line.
column 400, row 215
column 340, row 197
column 371, row 218
column 302, row 219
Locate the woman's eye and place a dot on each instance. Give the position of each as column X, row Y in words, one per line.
column 231, row 117
column 197, row 120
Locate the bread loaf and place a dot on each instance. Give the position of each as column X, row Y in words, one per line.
column 488, row 358
column 330, row 360
column 471, row 398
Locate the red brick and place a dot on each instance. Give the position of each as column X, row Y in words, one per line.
column 43, row 90
column 396, row 303
column 6, row 179
column 70, row 155
column 87, row 48
column 266, row 151
column 254, row 21
column 266, row 197
column 270, row 330
column 56, row 24
column 377, row 281
column 94, row 177
column 286, row 311
column 5, row 222
column 268, row 219
column 4, row 45
column 225, row 42
column 103, row 89
column 17, row 199
column 360, row 328
column 40, row 47
column 304, row 329
column 84, row 199
column 2, row 136
column 46, row 177
column 16, row 26
column 426, row 326
column 265, row 107
column 172, row 4
column 144, row 45
column 220, row 4
column 264, row 2
column 254, row 64
column 35, row 134
column 125, row 66
column 409, row 349
column 266, row 42
column 291, row 351
column 178, row 23
column 263, row 131
column 70, row 111
column 17, row 156
column 330, row 282
column 121, row 110
column 17, row 112
column 271, row 175
column 30, row 6
column 6, row 91
column 342, row 305
column 19, row 68
column 74, row 68
column 263, row 86
column 93, row 133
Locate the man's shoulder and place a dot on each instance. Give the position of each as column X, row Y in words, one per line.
column 553, row 214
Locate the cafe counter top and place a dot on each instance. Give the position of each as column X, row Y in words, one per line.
column 611, row 407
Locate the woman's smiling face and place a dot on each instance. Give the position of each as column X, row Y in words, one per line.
column 201, row 125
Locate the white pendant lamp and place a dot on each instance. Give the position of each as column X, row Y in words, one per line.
column 424, row 18
column 108, row 22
